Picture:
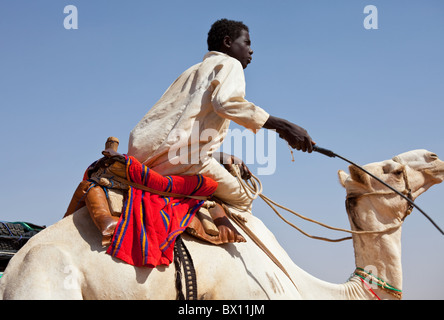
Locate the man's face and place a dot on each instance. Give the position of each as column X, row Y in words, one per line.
column 240, row 48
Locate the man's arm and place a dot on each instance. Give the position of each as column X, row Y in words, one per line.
column 296, row 136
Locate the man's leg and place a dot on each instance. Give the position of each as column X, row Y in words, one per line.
column 229, row 190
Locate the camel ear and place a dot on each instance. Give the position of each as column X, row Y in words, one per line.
column 342, row 177
column 359, row 176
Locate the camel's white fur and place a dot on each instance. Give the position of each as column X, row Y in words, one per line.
column 66, row 261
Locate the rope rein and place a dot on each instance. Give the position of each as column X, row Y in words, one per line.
column 253, row 189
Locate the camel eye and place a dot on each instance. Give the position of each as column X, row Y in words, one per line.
column 434, row 156
column 397, row 172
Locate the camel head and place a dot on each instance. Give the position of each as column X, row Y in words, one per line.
column 414, row 171
column 378, row 212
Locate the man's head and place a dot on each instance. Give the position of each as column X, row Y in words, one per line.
column 231, row 37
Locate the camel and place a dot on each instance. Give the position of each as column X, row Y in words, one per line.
column 67, row 261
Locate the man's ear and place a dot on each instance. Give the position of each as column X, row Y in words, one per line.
column 226, row 42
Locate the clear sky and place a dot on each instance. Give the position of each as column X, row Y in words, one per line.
column 367, row 94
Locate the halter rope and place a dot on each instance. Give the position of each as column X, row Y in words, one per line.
column 371, row 278
column 253, row 189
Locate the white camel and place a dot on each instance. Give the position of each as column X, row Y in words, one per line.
column 66, row 260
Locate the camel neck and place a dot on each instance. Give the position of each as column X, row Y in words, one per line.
column 380, row 255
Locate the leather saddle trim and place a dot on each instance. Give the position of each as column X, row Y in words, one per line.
column 227, row 232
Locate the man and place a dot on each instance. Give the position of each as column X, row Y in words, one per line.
column 195, row 112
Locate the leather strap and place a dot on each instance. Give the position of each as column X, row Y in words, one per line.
column 182, row 257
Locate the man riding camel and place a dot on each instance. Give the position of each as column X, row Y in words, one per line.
column 180, row 134
column 206, row 97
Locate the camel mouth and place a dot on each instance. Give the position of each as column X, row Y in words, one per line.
column 437, row 171
column 438, row 175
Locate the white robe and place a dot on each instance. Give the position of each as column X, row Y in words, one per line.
column 181, row 131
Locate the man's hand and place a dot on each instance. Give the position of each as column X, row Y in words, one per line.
column 228, row 161
column 296, row 136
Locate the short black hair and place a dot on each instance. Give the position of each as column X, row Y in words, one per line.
column 222, row 28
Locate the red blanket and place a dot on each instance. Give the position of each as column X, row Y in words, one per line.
column 150, row 223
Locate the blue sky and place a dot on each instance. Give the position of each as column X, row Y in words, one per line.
column 366, row 94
